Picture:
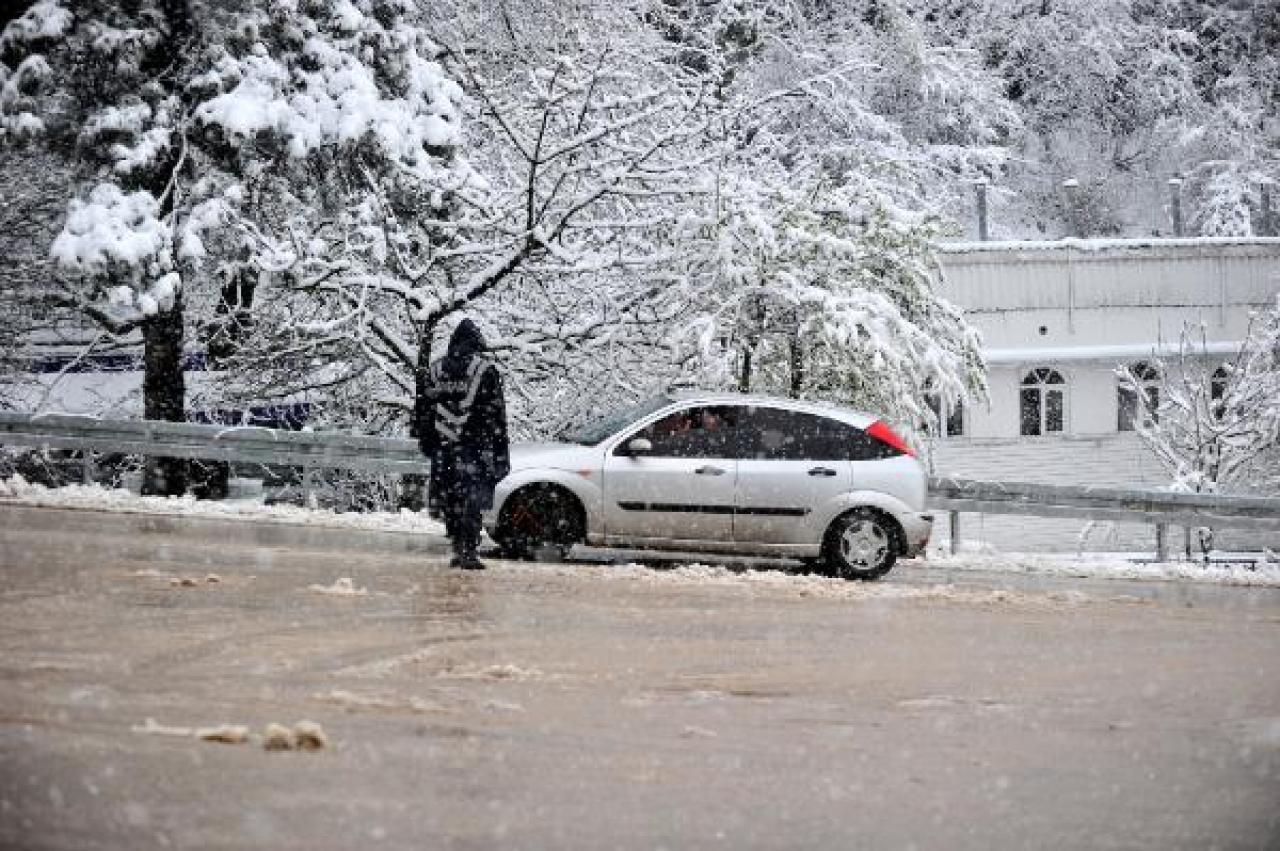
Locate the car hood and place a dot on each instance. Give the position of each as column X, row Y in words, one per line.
column 556, row 456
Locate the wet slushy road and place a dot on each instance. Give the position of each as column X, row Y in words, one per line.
column 596, row 706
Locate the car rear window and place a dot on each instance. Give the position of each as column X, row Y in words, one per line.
column 782, row 435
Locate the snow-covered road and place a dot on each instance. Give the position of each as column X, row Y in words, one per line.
column 596, row 705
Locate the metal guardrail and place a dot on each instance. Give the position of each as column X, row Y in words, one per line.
column 1092, row 502
column 335, row 450
column 1105, row 503
column 235, row 444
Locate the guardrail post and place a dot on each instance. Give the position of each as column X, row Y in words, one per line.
column 1162, row 543
column 955, row 532
column 308, row 487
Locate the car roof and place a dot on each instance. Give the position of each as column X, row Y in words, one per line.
column 822, row 409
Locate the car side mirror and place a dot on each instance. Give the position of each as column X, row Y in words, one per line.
column 639, row 446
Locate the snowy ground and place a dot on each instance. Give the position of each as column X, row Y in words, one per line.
column 1254, row 571
column 98, row 498
column 159, row 671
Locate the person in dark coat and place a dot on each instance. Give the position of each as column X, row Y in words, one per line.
column 462, row 428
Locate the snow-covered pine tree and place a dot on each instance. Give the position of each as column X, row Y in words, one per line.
column 342, row 134
column 215, row 145
column 105, row 82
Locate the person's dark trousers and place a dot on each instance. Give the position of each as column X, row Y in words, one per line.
column 463, row 529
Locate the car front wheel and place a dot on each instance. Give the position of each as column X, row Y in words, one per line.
column 862, row 544
column 540, row 522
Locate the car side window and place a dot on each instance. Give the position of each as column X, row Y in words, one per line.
column 779, row 435
column 704, row 432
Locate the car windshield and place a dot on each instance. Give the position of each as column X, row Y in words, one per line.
column 597, row 430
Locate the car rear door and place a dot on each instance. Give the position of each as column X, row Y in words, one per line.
column 680, row 490
column 792, row 463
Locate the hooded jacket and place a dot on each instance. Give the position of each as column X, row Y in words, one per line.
column 462, row 423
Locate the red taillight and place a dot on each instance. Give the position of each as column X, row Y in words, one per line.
column 889, row 437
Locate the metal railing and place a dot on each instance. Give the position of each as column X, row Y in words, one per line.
column 1094, row 502
column 234, row 444
column 336, row 450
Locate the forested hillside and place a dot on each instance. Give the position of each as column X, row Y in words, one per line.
column 632, row 196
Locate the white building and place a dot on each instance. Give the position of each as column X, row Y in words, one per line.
column 1057, row 319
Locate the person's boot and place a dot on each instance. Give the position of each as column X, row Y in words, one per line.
column 471, row 562
column 467, row 557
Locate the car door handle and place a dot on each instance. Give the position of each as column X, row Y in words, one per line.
column 822, row 471
column 710, row 471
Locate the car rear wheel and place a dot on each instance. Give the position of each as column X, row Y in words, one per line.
column 862, row 544
column 540, row 522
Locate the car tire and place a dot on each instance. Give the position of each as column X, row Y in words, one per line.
column 540, row 522
column 862, row 544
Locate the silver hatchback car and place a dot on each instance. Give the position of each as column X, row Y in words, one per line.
column 723, row 473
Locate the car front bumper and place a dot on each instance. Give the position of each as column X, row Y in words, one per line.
column 917, row 528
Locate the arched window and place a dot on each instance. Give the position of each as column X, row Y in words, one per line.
column 1042, row 402
column 1127, row 407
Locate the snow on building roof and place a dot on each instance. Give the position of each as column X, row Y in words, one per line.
column 1106, row 244
column 1118, row 352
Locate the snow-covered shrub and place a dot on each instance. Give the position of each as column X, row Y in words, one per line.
column 1215, row 425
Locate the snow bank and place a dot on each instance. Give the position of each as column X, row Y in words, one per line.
column 97, row 498
column 784, row 583
column 16, row 490
column 1265, row 574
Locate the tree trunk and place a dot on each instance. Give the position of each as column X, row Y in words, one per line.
column 797, row 368
column 744, row 380
column 413, row 486
column 164, row 395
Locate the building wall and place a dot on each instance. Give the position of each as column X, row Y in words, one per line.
column 1116, row 459
column 1083, row 308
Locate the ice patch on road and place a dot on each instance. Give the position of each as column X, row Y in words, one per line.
column 353, row 702
column 97, row 498
column 443, row 667
column 948, row 702
column 230, row 734
column 341, row 587
column 488, row 672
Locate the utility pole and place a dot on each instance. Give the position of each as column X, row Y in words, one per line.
column 1070, row 188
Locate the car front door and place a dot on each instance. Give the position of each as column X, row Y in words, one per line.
column 792, row 463
column 679, row 489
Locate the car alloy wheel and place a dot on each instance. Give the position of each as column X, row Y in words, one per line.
column 861, row 545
